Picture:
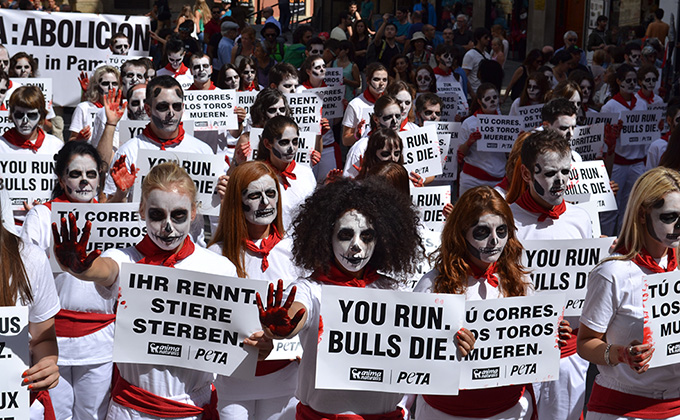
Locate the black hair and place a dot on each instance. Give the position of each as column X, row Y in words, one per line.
column 67, row 152
column 542, row 141
column 556, row 108
column 154, row 87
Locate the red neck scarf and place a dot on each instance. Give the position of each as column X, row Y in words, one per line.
column 480, row 111
column 153, row 255
column 194, row 87
column 618, row 98
column 286, row 174
column 527, row 202
column 369, row 96
column 163, row 143
column 403, row 124
column 61, row 199
column 308, row 85
column 335, row 277
column 488, row 274
column 667, row 135
column 644, row 260
column 13, row 136
column 649, row 99
column 251, row 87
column 181, row 70
column 265, row 247
column 504, row 184
column 98, row 104
column 440, row 72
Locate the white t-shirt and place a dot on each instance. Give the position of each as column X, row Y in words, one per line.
column 656, row 150
column 492, row 163
column 574, row 223
column 45, row 304
column 293, row 196
column 471, row 62
column 358, row 109
column 98, row 126
column 83, row 115
column 657, row 99
column 51, row 145
column 628, row 152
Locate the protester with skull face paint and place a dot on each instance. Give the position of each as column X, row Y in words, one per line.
column 587, row 85
column 250, row 233
column 647, row 76
column 656, row 155
column 119, row 44
column 344, row 236
column 105, row 78
column 248, row 73
column 360, row 109
column 5, row 83
column 174, row 56
column 533, row 94
column 168, row 207
column 84, row 326
column 480, row 257
column 201, row 70
column 446, row 58
column 384, row 145
column 229, row 77
column 612, row 334
column 23, row 65
column 425, row 80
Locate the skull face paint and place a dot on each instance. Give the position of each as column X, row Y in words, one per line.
column 487, row 238
column 135, row 105
column 25, row 119
column 259, row 201
column 231, row 79
column 576, row 100
column 285, row 148
column 175, row 59
column 423, row 80
column 629, row 83
column 389, row 153
column 168, row 217
column 390, row 117
column 3, row 89
column 649, row 82
column 108, row 82
column 447, row 59
column 288, row 85
column 565, row 124
column 635, row 57
column 121, row 46
column 317, row 72
column 201, row 69
column 81, row 179
column 275, row 110
column 405, row 103
column 378, row 83
column 489, row 101
column 22, row 68
column 248, row 74
column 533, row 90
column 134, row 75
column 663, row 222
column 586, row 90
column 550, row 176
column 353, row 241
column 166, row 110
column 431, row 112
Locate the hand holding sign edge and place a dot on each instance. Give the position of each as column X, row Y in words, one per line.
column 275, row 319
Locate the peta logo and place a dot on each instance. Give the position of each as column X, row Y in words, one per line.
column 672, row 348
column 164, row 349
column 486, row 373
column 416, row 378
column 523, row 369
column 366, row 375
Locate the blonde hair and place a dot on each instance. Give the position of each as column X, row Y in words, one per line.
column 167, row 176
column 92, row 93
column 205, row 10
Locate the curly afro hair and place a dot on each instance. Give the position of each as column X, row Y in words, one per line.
column 398, row 247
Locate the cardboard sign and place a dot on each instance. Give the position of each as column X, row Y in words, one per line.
column 449, row 140
column 588, row 141
column 27, row 178
column 421, row 151
column 44, row 84
column 389, row 341
column 210, row 109
column 203, row 169
column 306, row 142
column 660, row 297
column 173, row 317
column 563, row 265
column 14, row 360
column 499, row 132
column 6, row 122
column 334, row 76
column 430, row 201
column 114, row 225
column 600, row 117
column 431, row 242
column 640, row 127
column 305, row 108
column 245, row 100
column 531, row 116
column 331, row 98
column 589, row 181
column 516, row 341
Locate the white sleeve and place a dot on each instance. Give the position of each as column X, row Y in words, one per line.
column 514, row 109
column 601, row 301
column 79, row 119
column 468, row 61
column 31, row 231
column 351, row 119
column 45, row 302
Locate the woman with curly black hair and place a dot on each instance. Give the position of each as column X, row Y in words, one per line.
column 344, row 236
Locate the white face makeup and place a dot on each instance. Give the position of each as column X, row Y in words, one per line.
column 4, row 59
column 248, row 74
column 285, row 148
column 135, row 105
column 565, row 124
column 175, row 59
column 259, row 201
column 288, row 85
column 576, row 100
column 390, row 117
column 201, row 69
column 277, row 109
column 168, row 217
column 405, row 103
column 487, row 238
column 629, row 84
column 447, row 59
column 25, row 119
column 389, row 153
column 489, row 101
column 133, row 76
column 81, row 180
column 550, row 176
column 353, row 241
column 586, row 89
column 108, row 82
column 423, row 79
column 663, row 223
column 318, row 70
column 533, row 90
column 22, row 68
column 431, row 112
column 121, row 46
column 550, row 77
column 3, row 90
column 231, row 79
column 635, row 57
column 378, row 83
column 315, row 49
column 649, row 82
column 166, row 110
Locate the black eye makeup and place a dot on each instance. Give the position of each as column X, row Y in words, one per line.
column 31, row 115
column 367, row 235
column 164, row 106
column 669, row 218
column 345, row 234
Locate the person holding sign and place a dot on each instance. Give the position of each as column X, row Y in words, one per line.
column 168, row 207
column 84, row 326
column 647, row 77
column 612, row 333
column 480, row 257
column 383, row 146
column 250, row 233
column 534, row 92
column 105, row 79
column 201, row 70
column 360, row 109
column 342, row 235
column 248, row 72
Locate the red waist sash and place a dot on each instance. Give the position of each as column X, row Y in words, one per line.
column 608, row 401
column 479, row 173
column 265, row 367
column 46, row 401
column 481, row 403
column 305, row 412
column 620, row 160
column 570, row 348
column 79, row 324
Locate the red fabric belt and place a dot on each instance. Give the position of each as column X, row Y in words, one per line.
column 46, row 401
column 79, row 324
column 479, row 173
column 608, row 401
column 305, row 412
column 136, row 398
column 570, row 348
column 265, row 367
column 338, row 154
column 481, row 403
column 620, row 160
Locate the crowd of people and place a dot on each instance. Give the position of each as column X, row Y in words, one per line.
column 347, row 218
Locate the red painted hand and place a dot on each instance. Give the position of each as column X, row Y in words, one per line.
column 123, row 178
column 70, row 252
column 333, row 175
column 275, row 317
column 315, row 157
column 84, row 81
column 325, row 126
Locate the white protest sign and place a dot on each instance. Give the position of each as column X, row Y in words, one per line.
column 305, row 109
column 331, row 98
column 449, row 106
column 516, row 341
column 288, row 349
column 117, row 61
column 203, row 169
column 14, row 360
column 499, row 132
column 591, row 208
column 245, row 100
column 114, row 225
column 210, row 109
column 588, row 141
column 600, row 117
column 27, row 177
column 660, row 297
column 389, row 341
column 173, row 317
column 44, row 84
column 531, row 116
column 421, row 151
column 658, row 106
column 589, row 181
column 563, row 265
column 431, row 241
column 430, row 201
column 6, row 122
column 334, row 76
column 64, row 46
column 449, row 140
column 306, row 142
column 640, row 127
